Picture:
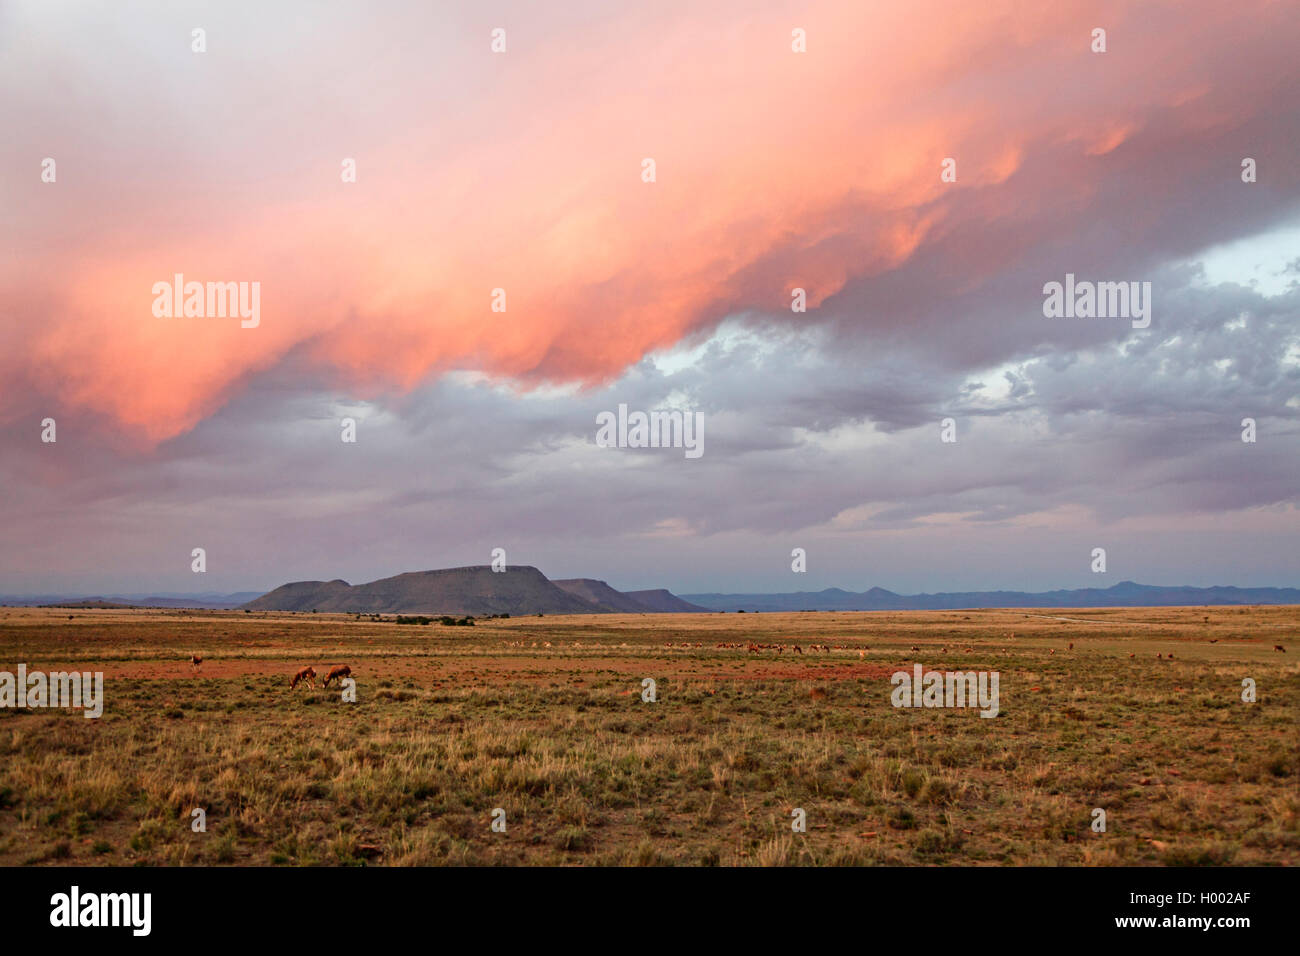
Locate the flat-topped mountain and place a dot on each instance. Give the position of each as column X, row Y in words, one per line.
column 663, row 601
column 476, row 591
column 602, row 595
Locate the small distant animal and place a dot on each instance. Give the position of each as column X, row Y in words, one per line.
column 307, row 674
column 915, row 648
column 1171, row 655
column 1279, row 647
column 1159, row 657
column 1131, row 656
column 1071, row 647
column 1214, row 640
column 196, row 661
column 337, row 673
column 798, row 649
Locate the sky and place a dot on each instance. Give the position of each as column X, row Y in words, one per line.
column 524, row 169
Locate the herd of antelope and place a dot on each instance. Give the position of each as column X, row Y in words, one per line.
column 308, row 676
column 753, row 648
column 338, row 673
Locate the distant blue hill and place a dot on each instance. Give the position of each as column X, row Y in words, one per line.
column 207, row 599
column 1124, row 594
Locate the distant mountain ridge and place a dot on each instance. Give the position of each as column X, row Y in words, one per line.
column 663, row 601
column 1124, row 594
column 480, row 591
column 212, row 600
column 602, row 595
column 476, row 591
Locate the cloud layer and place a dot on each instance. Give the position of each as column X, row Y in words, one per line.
column 522, row 171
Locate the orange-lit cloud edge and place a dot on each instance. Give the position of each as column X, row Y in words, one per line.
column 774, row 170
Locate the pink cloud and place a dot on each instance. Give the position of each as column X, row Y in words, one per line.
column 522, row 172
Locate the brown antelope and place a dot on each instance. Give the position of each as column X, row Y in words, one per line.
column 1071, row 647
column 1279, row 647
column 307, row 674
column 196, row 661
column 337, row 673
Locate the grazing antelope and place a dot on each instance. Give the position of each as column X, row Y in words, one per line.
column 1131, row 656
column 1279, row 647
column 798, row 649
column 1071, row 647
column 307, row 674
column 915, row 648
column 196, row 662
column 337, row 673
column 1214, row 640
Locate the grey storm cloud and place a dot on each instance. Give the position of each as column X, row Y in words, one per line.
column 822, row 428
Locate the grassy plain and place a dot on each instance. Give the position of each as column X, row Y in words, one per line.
column 543, row 718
